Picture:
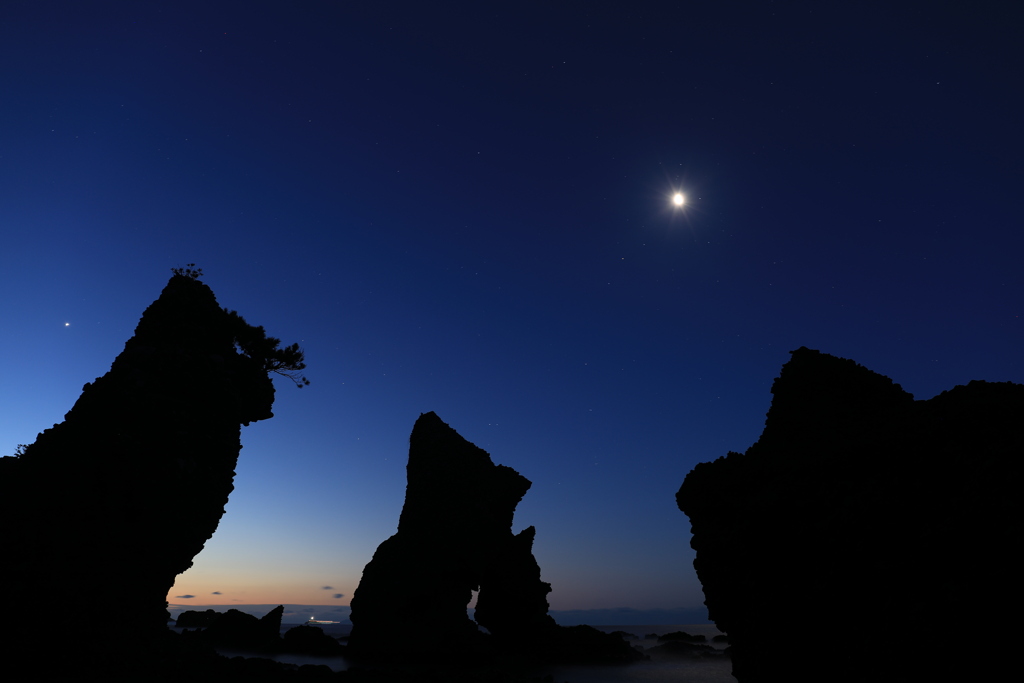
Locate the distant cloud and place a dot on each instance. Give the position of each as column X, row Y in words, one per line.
column 338, row 595
column 184, row 596
column 328, row 588
column 216, row 593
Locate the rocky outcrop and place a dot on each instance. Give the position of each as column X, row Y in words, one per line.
column 512, row 604
column 682, row 636
column 241, row 631
column 87, row 509
column 196, row 619
column 860, row 508
column 454, row 537
column 311, row 640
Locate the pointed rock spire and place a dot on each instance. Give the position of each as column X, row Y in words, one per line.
column 117, row 499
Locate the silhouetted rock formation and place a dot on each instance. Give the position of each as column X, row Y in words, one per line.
column 241, row 631
column 584, row 644
column 684, row 649
column 85, row 507
column 271, row 621
column 195, row 619
column 454, row 536
column 860, row 508
column 236, row 630
column 512, row 604
column 311, row 640
column 682, row 636
column 455, row 524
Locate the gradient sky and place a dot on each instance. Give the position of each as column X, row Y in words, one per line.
column 465, row 208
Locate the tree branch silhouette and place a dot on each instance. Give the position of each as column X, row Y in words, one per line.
column 253, row 342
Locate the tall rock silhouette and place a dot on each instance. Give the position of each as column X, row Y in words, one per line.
column 114, row 502
column 454, row 536
column 865, row 531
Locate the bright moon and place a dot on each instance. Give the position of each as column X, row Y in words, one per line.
column 678, row 199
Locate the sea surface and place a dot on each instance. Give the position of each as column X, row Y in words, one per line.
column 658, row 669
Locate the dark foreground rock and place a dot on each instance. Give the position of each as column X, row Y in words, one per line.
column 861, row 509
column 585, row 645
column 86, row 509
column 311, row 640
column 682, row 636
column 196, row 619
column 238, row 630
column 241, row 632
column 684, row 650
column 455, row 537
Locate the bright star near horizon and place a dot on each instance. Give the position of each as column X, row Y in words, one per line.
column 678, row 199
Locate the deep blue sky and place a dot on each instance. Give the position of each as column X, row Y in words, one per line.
column 464, row 208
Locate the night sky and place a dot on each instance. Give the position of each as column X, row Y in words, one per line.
column 466, row 208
